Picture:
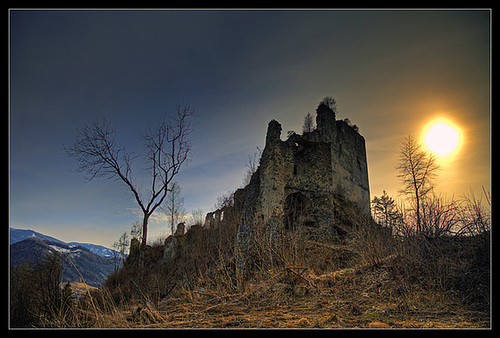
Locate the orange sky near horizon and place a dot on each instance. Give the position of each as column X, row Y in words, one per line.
column 465, row 171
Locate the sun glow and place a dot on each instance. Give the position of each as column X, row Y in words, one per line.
column 443, row 137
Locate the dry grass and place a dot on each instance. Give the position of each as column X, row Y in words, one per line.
column 366, row 280
column 362, row 297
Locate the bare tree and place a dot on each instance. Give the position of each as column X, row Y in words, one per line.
column 196, row 217
column 119, row 252
column 174, row 206
column 308, row 123
column 167, row 148
column 225, row 200
column 136, row 231
column 417, row 169
column 252, row 165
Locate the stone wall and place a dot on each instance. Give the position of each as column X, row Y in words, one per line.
column 297, row 181
column 349, row 165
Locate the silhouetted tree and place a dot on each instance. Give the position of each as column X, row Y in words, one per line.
column 308, row 123
column 385, row 210
column 167, row 146
column 330, row 103
column 417, row 169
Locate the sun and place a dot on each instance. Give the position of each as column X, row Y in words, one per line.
column 442, row 137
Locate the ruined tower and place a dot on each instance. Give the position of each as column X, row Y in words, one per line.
column 299, row 179
column 313, row 167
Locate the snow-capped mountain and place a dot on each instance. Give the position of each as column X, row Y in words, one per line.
column 97, row 249
column 17, row 235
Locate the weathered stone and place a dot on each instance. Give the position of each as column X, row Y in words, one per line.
column 174, row 243
column 297, row 182
column 181, row 229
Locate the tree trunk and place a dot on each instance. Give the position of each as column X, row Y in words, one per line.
column 142, row 247
column 417, row 199
column 144, row 230
column 172, row 220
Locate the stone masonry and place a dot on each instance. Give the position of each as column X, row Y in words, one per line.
column 298, row 180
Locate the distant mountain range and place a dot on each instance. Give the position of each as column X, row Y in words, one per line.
column 91, row 262
column 17, row 235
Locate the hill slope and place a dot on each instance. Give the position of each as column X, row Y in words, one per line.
column 79, row 262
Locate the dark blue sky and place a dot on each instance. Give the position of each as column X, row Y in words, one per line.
column 390, row 71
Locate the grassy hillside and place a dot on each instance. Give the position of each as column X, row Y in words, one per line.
column 361, row 277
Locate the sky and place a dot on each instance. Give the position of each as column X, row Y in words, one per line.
column 390, row 71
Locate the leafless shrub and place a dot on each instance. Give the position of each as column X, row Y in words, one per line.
column 224, row 200
column 439, row 216
column 372, row 243
column 475, row 216
column 35, row 296
column 252, row 164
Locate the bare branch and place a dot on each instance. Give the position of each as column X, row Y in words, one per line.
column 168, row 147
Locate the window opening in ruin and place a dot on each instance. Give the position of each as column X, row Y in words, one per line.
column 295, row 169
column 296, row 209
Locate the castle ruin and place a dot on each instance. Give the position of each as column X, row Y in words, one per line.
column 298, row 181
